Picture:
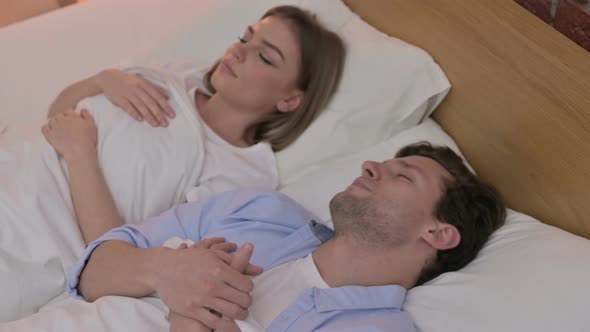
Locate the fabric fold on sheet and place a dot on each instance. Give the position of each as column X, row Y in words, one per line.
column 147, row 169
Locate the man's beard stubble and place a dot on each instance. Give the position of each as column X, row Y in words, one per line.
column 362, row 220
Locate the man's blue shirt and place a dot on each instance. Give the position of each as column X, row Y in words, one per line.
column 281, row 231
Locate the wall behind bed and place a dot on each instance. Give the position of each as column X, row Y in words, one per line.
column 519, row 108
column 570, row 17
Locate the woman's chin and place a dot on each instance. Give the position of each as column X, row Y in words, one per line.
column 218, row 81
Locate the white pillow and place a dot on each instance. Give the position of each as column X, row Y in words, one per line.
column 528, row 277
column 387, row 86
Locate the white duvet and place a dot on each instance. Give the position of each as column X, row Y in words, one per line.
column 147, row 169
column 109, row 313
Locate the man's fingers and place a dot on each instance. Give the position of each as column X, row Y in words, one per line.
column 242, row 257
column 238, row 280
column 225, row 246
column 253, row 270
column 215, row 322
column 208, row 243
column 228, row 309
column 224, row 256
column 233, row 295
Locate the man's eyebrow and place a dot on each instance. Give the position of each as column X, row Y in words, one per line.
column 269, row 44
column 405, row 164
column 441, row 181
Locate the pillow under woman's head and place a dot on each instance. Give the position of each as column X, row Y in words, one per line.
column 387, row 85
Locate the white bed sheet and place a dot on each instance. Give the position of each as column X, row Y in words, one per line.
column 42, row 55
column 40, row 238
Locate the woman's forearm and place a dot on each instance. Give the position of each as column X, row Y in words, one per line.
column 95, row 208
column 118, row 268
column 71, row 95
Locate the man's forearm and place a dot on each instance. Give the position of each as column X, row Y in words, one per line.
column 180, row 323
column 95, row 208
column 118, row 268
column 71, row 95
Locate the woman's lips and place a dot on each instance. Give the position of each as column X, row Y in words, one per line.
column 226, row 67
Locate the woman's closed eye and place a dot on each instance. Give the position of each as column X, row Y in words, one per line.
column 261, row 56
column 264, row 59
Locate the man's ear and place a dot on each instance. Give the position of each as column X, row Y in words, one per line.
column 291, row 103
column 442, row 236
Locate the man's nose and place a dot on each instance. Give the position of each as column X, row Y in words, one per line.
column 371, row 169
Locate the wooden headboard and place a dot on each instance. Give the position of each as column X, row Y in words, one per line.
column 520, row 104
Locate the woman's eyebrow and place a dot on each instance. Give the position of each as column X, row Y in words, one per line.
column 269, row 44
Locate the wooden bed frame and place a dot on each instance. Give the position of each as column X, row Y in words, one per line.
column 520, row 104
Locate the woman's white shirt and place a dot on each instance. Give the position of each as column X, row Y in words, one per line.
column 226, row 167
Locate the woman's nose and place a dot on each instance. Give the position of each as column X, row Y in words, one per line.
column 239, row 52
column 371, row 169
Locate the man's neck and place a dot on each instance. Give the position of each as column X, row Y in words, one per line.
column 343, row 262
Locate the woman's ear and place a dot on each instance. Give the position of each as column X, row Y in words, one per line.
column 443, row 236
column 291, row 103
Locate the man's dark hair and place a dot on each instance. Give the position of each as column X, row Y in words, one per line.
column 475, row 208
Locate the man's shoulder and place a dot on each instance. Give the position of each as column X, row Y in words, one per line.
column 261, row 205
column 242, row 197
column 260, row 200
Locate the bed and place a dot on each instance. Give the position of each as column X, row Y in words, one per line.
column 518, row 110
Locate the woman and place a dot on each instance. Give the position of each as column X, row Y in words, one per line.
column 258, row 98
column 265, row 90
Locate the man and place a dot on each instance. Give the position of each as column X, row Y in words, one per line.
column 401, row 223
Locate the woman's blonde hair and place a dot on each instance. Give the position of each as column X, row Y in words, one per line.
column 322, row 61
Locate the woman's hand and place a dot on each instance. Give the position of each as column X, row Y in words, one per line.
column 72, row 135
column 139, row 97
